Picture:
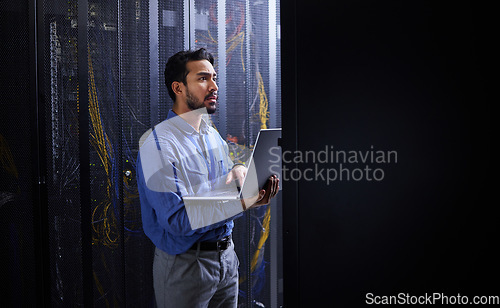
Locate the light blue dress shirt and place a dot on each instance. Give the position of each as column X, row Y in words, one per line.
column 191, row 162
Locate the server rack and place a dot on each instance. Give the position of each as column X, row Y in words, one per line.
column 97, row 85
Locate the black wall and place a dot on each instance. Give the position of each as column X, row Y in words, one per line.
column 19, row 236
column 401, row 76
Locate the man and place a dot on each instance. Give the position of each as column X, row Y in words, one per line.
column 193, row 267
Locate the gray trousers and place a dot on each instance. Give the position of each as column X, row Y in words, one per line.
column 196, row 278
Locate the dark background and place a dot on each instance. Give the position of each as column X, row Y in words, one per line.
column 395, row 75
column 398, row 75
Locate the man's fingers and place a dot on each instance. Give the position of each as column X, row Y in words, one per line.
column 276, row 187
column 238, row 173
column 240, row 178
column 271, row 190
column 262, row 194
column 272, row 186
column 229, row 178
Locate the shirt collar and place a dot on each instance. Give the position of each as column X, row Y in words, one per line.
column 185, row 126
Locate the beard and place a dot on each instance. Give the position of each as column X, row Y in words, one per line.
column 193, row 103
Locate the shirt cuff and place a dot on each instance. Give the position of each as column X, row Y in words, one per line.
column 238, row 164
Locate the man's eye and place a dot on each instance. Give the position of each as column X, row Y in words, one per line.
column 203, row 78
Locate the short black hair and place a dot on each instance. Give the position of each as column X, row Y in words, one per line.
column 175, row 69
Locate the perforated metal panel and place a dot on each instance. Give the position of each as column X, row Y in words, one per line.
column 59, row 66
column 173, row 36
column 97, row 252
column 238, row 34
column 135, row 116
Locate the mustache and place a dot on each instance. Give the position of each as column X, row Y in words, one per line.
column 212, row 94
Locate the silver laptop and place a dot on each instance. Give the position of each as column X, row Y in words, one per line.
column 264, row 162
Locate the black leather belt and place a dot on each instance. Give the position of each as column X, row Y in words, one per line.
column 219, row 245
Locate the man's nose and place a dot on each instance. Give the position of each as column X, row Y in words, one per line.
column 213, row 86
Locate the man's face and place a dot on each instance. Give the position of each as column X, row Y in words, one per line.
column 201, row 88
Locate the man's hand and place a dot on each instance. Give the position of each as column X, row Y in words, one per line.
column 237, row 174
column 270, row 190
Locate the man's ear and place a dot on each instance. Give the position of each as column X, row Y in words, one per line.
column 176, row 87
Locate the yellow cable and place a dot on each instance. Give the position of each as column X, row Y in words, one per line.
column 264, row 104
column 241, row 52
column 264, row 234
column 210, row 35
column 100, row 288
column 106, row 231
column 6, row 158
